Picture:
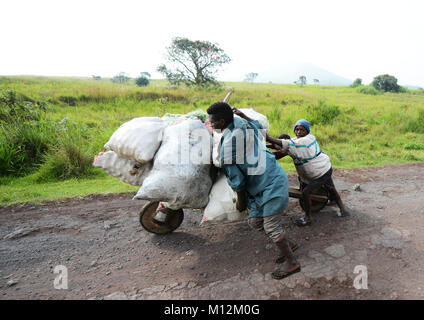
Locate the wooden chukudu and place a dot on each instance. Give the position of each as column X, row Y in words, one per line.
column 165, row 220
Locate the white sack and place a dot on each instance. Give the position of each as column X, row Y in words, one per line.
column 120, row 168
column 181, row 168
column 222, row 203
column 138, row 139
column 263, row 120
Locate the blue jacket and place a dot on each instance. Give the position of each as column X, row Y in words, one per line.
column 253, row 169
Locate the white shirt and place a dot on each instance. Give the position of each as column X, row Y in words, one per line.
column 310, row 162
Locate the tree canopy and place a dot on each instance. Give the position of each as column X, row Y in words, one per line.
column 301, row 80
column 193, row 62
column 386, row 83
column 356, row 83
column 250, row 77
column 143, row 79
column 121, row 77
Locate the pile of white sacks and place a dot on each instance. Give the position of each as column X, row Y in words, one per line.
column 171, row 159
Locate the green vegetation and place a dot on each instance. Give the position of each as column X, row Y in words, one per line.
column 356, row 83
column 368, row 90
column 386, row 83
column 143, row 79
column 51, row 128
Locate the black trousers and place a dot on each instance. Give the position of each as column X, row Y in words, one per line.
column 325, row 181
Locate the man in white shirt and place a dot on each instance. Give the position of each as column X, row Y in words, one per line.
column 312, row 165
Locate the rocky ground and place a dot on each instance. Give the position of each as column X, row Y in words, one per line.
column 108, row 255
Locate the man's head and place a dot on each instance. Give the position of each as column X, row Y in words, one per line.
column 301, row 128
column 220, row 115
column 284, row 137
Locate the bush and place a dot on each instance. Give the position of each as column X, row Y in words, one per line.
column 275, row 115
column 22, row 147
column 356, row 83
column 69, row 100
column 23, row 137
column 16, row 111
column 323, row 113
column 368, row 90
column 403, row 90
column 8, row 156
column 67, row 160
column 414, row 124
column 413, row 146
column 142, row 81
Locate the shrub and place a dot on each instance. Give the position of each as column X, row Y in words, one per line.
column 23, row 137
column 16, row 111
column 142, row 81
column 368, row 90
column 413, row 146
column 414, row 124
column 356, row 83
column 9, row 155
column 22, row 147
column 292, row 100
column 69, row 159
column 69, row 100
column 274, row 115
column 403, row 89
column 323, row 113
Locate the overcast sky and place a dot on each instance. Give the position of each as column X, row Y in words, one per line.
column 351, row 38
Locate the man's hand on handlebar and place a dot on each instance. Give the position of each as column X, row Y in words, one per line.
column 240, row 114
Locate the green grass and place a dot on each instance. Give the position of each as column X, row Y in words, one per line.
column 354, row 128
column 22, row 190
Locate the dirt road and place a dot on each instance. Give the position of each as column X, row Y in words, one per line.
column 108, row 255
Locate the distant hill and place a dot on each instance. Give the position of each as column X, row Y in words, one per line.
column 412, row 87
column 291, row 72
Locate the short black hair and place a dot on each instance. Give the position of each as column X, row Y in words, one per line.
column 284, row 136
column 221, row 110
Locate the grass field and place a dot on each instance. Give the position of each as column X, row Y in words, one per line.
column 353, row 128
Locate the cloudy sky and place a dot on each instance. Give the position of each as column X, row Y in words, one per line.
column 351, row 38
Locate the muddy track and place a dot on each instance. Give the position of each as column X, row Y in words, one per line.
column 108, row 255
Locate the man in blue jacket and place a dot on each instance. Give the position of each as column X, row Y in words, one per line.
column 259, row 181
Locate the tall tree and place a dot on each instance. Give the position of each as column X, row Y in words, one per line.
column 121, row 77
column 193, row 62
column 250, row 77
column 302, row 80
column 356, row 83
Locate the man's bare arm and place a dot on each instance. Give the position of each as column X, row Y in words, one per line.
column 275, row 141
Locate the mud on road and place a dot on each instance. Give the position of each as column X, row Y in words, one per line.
column 108, row 255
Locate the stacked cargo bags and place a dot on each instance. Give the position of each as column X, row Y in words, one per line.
column 170, row 159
